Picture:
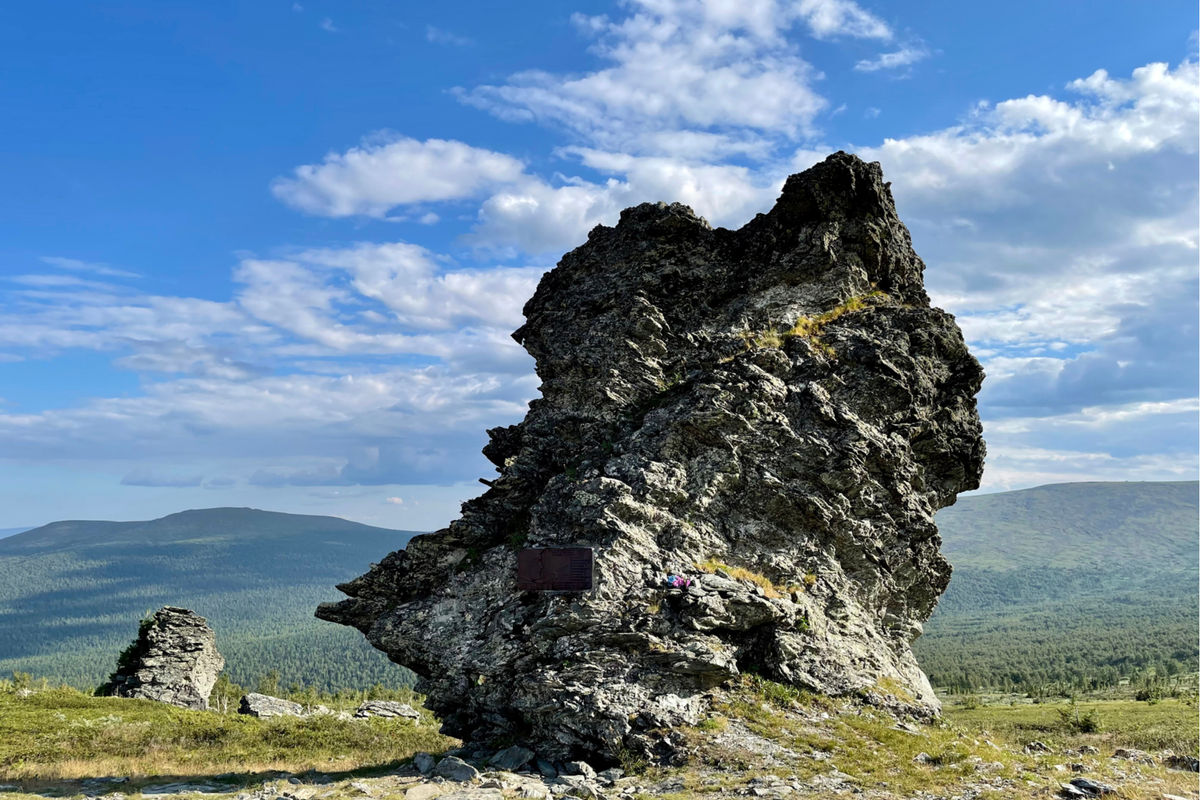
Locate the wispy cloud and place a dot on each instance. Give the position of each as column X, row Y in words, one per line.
column 722, row 69
column 441, row 36
column 828, row 18
column 152, row 478
column 75, row 265
column 904, row 57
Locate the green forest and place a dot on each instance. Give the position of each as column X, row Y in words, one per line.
column 1055, row 589
column 72, row 594
column 1067, row 587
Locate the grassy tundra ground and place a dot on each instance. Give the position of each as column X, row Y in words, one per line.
column 64, row 734
column 58, row 742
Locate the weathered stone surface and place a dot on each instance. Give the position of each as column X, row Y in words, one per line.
column 512, row 758
column 1186, row 763
column 174, row 660
column 1091, row 788
column 453, row 768
column 1134, row 755
column 425, row 763
column 781, row 399
column 386, row 708
column 264, row 705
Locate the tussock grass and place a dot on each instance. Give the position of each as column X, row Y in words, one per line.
column 967, row 748
column 65, row 734
column 1165, row 725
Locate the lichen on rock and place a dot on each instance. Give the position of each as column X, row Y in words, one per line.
column 774, row 412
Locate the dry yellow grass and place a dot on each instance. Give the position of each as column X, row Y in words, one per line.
column 769, row 587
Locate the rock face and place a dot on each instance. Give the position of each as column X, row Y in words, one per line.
column 774, row 413
column 266, row 706
column 388, row 709
column 174, row 660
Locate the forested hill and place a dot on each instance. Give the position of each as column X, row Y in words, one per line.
column 1075, row 526
column 1075, row 583
column 71, row 593
column 1069, row 583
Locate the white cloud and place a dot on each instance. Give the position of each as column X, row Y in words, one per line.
column 436, row 35
column 904, row 57
column 535, row 217
column 395, row 501
column 1062, row 234
column 1060, row 231
column 686, row 67
column 387, row 172
column 407, row 280
column 269, row 379
column 841, row 18
column 75, row 265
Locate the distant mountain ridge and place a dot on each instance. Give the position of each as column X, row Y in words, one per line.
column 1052, row 582
column 1074, row 525
column 72, row 592
column 1066, row 580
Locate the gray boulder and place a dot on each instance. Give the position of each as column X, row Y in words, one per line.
column 264, row 705
column 424, row 762
column 778, row 406
column 1186, row 763
column 1091, row 788
column 1134, row 755
column 512, row 758
column 387, row 709
column 453, row 768
column 173, row 660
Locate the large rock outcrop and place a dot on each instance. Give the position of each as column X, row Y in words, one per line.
column 775, row 413
column 174, row 660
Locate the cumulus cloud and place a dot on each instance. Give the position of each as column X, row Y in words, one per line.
column 536, row 217
column 1071, row 243
column 389, row 171
column 1059, row 228
column 1062, row 234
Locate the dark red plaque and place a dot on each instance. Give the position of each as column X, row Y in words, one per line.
column 555, row 569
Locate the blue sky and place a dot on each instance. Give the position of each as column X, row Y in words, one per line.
column 269, row 253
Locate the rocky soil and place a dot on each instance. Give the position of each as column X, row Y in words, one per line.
column 769, row 748
column 773, row 413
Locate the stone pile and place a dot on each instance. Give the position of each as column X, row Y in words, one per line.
column 174, row 660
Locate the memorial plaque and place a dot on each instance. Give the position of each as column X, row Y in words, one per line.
column 555, row 569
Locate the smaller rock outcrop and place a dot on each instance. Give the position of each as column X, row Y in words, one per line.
column 173, row 660
column 264, row 705
column 386, row 708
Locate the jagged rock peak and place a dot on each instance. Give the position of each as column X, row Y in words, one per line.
column 173, row 660
column 773, row 413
